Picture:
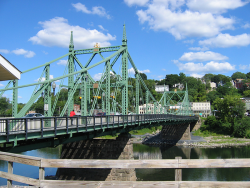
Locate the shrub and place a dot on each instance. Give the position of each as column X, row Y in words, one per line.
column 242, row 127
column 212, row 123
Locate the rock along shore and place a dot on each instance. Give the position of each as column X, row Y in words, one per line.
column 196, row 141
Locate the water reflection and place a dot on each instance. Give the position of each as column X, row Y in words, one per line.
column 32, row 171
column 207, row 174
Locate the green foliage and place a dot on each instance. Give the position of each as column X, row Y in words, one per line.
column 4, row 105
column 145, row 130
column 212, row 95
column 172, row 79
column 242, row 127
column 248, row 75
column 229, row 108
column 212, row 123
column 238, row 75
column 143, row 76
column 246, row 93
column 226, row 89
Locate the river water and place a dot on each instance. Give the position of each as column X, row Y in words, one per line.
column 151, row 152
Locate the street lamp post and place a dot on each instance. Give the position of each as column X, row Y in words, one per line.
column 54, row 87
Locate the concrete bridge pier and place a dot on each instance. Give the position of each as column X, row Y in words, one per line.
column 119, row 148
column 176, row 132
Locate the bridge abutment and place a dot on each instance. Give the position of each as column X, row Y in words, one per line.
column 175, row 132
column 119, row 148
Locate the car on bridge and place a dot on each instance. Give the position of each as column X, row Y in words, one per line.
column 101, row 114
column 32, row 115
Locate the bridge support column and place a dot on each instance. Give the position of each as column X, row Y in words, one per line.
column 176, row 132
column 120, row 148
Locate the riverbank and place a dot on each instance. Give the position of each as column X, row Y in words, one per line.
column 196, row 141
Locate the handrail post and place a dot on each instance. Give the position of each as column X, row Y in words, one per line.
column 7, row 130
column 178, row 172
column 10, row 171
column 41, row 173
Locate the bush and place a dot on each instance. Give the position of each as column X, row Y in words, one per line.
column 242, row 128
column 211, row 123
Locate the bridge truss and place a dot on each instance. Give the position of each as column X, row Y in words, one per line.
column 112, row 88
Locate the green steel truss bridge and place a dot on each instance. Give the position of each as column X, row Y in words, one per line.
column 113, row 89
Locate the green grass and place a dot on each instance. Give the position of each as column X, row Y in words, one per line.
column 205, row 133
column 145, row 130
column 109, row 137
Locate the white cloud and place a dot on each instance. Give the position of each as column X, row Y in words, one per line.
column 43, row 78
column 26, row 53
column 46, row 53
column 4, row 51
column 244, row 67
column 209, row 67
column 62, row 62
column 56, row 32
column 247, row 25
column 199, row 48
column 136, row 2
column 102, row 28
column 197, row 75
column 182, row 24
column 20, row 97
column 202, row 56
column 132, row 71
column 160, row 76
column 97, row 76
column 163, row 69
column 226, row 40
column 1, row 85
column 145, row 71
column 214, row 6
column 95, row 10
column 189, row 41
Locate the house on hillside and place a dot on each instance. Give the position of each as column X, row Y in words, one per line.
column 238, row 83
column 161, row 88
column 179, row 86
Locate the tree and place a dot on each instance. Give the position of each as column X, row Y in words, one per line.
column 143, row 76
column 248, row 75
column 208, row 77
column 246, row 93
column 226, row 89
column 238, row 75
column 182, row 76
column 230, row 108
column 212, row 95
column 4, row 105
column 172, row 79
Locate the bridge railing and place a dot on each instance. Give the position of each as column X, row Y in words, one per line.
column 10, row 126
column 178, row 164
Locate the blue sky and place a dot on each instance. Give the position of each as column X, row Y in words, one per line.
column 164, row 36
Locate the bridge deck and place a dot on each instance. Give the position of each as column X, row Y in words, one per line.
column 16, row 129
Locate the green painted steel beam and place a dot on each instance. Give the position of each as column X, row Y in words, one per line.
column 23, row 111
column 1, row 94
column 45, row 64
column 107, row 91
column 15, row 98
column 67, row 75
column 101, row 49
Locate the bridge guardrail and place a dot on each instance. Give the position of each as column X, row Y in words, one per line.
column 10, row 126
column 178, row 164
